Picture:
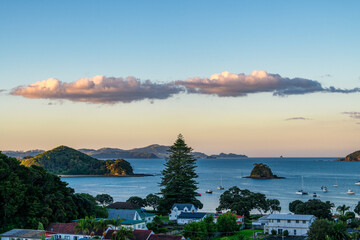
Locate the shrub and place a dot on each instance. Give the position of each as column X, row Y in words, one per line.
column 273, row 232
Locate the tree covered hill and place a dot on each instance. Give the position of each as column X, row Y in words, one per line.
column 68, row 161
column 29, row 195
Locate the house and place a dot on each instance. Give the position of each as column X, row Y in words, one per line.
column 260, row 223
column 26, row 234
column 128, row 214
column 145, row 216
column 166, row 237
column 187, row 217
column 295, row 224
column 146, row 235
column 239, row 219
column 66, row 231
column 178, row 208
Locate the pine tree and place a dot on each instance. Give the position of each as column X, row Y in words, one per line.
column 178, row 183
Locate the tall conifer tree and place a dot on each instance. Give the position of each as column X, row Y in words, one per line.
column 178, row 183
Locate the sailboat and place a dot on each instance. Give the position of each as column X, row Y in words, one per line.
column 221, row 186
column 301, row 192
column 336, row 184
column 357, row 183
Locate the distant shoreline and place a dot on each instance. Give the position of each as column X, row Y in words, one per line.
column 132, row 175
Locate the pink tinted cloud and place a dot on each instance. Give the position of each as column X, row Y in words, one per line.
column 297, row 118
column 233, row 85
column 355, row 115
column 99, row 89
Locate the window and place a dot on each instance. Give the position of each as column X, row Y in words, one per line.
column 67, row 237
column 297, row 221
column 294, row 231
column 289, row 221
column 304, row 221
column 75, row 238
column 278, row 220
column 280, row 231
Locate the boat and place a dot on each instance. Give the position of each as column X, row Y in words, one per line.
column 350, row 192
column 324, row 189
column 209, row 191
column 357, row 183
column 336, row 184
column 198, row 194
column 315, row 195
column 221, row 186
column 301, row 192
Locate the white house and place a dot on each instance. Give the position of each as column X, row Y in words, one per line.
column 295, row 224
column 25, row 234
column 133, row 224
column 187, row 217
column 178, row 208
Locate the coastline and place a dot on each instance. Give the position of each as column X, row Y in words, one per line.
column 132, row 175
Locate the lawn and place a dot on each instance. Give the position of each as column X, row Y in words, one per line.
column 164, row 218
column 246, row 233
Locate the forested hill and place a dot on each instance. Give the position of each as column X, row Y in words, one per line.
column 68, row 161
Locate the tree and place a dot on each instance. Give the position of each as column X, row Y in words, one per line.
column 123, row 234
column 226, row 223
column 313, row 206
column 274, row 205
column 178, row 183
column 153, row 201
column 357, row 208
column 342, row 209
column 116, row 222
column 104, row 199
column 40, row 226
column 319, row 229
column 137, row 200
column 82, row 227
column 202, row 230
column 101, row 225
column 155, row 225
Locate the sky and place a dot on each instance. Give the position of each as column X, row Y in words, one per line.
column 261, row 78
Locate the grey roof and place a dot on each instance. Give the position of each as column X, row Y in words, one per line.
column 23, row 233
column 197, row 215
column 122, row 214
column 291, row 217
column 181, row 206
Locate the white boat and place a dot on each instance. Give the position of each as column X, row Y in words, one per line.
column 357, row 183
column 221, row 186
column 350, row 192
column 324, row 189
column 301, row 192
column 336, row 183
column 209, row 191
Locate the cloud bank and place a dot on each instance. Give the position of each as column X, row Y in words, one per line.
column 99, row 89
column 297, row 118
column 110, row 90
column 234, row 85
column 355, row 115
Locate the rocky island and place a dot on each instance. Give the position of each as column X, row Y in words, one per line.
column 352, row 157
column 262, row 171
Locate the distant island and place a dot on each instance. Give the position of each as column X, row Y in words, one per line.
column 262, row 171
column 64, row 160
column 352, row 157
column 151, row 151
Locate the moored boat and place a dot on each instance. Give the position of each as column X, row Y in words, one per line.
column 350, row 192
column 209, row 191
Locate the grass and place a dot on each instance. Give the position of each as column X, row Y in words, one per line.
column 247, row 233
column 164, row 218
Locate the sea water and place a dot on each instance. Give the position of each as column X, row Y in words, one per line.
column 315, row 172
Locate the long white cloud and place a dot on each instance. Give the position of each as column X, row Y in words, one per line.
column 233, row 85
column 99, row 89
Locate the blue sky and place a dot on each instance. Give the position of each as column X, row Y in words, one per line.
column 166, row 41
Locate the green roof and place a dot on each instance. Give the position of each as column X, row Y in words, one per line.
column 145, row 214
column 131, row 222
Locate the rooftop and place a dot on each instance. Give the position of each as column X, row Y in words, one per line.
column 122, row 213
column 291, row 217
column 197, row 215
column 64, row 228
column 23, row 233
column 181, row 206
column 165, row 237
column 123, row 205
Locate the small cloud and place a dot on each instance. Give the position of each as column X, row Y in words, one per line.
column 99, row 90
column 355, row 115
column 326, row 76
column 2, row 90
column 237, row 85
column 297, row 118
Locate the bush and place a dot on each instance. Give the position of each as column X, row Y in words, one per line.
column 273, row 232
column 286, row 233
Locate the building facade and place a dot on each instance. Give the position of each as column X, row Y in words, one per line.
column 295, row 224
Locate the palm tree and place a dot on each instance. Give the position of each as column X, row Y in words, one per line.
column 123, row 234
column 116, row 222
column 342, row 209
column 82, row 227
column 91, row 223
column 101, row 225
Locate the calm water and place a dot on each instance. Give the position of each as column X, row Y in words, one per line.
column 316, row 172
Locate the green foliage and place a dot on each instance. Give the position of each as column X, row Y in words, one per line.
column 313, row 206
column 29, row 195
column 178, row 183
column 357, row 208
column 243, row 201
column 116, row 222
column 153, row 201
column 226, row 223
column 323, row 229
column 261, row 170
column 155, row 225
column 123, row 234
column 40, row 226
column 342, row 209
column 67, row 161
column 286, row 233
column 202, row 230
column 137, row 200
column 273, row 232
column 104, row 199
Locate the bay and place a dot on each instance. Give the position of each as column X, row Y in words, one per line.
column 316, row 172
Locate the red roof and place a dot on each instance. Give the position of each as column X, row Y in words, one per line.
column 165, row 237
column 142, row 234
column 109, row 234
column 64, row 228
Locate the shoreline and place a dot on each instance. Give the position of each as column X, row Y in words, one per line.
column 132, row 175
